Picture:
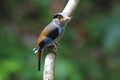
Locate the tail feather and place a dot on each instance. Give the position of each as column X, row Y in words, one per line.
column 39, row 52
column 39, row 60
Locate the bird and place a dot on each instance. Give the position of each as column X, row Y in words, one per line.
column 51, row 34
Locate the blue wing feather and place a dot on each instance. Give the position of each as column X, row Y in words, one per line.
column 45, row 42
column 54, row 33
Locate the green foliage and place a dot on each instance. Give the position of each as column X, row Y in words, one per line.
column 66, row 70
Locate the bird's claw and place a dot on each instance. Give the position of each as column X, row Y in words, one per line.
column 53, row 48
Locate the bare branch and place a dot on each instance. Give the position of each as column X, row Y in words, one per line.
column 70, row 7
column 49, row 67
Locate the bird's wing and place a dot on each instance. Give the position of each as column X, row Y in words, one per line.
column 51, row 36
column 45, row 42
column 53, row 33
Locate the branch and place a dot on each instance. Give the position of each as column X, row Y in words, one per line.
column 70, row 7
column 50, row 63
column 50, row 57
column 49, row 67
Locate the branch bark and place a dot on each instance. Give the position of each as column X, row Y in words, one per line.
column 70, row 7
column 49, row 67
column 50, row 57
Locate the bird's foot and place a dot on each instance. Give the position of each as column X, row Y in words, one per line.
column 53, row 48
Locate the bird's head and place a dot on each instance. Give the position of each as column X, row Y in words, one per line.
column 61, row 18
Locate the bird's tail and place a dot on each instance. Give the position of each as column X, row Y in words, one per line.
column 39, row 60
column 38, row 51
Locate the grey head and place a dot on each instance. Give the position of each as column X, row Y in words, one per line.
column 61, row 19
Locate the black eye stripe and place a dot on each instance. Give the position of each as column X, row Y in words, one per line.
column 57, row 16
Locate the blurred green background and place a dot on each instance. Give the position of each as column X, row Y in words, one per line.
column 89, row 50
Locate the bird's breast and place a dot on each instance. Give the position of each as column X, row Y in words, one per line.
column 61, row 32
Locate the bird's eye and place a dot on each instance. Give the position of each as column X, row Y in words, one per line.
column 58, row 16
